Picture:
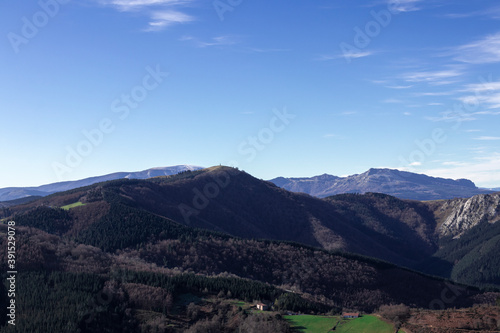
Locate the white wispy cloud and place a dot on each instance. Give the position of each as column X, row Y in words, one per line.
column 452, row 117
column 360, row 54
column 440, row 77
column 436, row 93
column 264, row 50
column 484, row 171
column 492, row 101
column 459, row 15
column 214, row 41
column 327, row 57
column 488, row 138
column 402, row 6
column 161, row 13
column 378, row 81
column 482, row 51
column 348, row 113
column 399, row 87
column 484, row 86
column 347, row 55
column 458, row 115
column 481, row 99
column 130, row 5
column 392, row 101
column 454, row 163
column 492, row 13
column 486, row 94
column 488, row 113
column 163, row 19
column 481, row 150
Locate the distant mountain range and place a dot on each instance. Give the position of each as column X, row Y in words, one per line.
column 401, row 184
column 495, row 189
column 12, row 193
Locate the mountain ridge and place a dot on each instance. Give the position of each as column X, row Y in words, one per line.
column 401, row 184
column 12, row 193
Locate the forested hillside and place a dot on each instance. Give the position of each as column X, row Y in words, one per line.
column 131, row 239
column 404, row 232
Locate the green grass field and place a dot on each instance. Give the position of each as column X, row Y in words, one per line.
column 240, row 303
column 76, row 204
column 365, row 324
column 322, row 324
column 312, row 324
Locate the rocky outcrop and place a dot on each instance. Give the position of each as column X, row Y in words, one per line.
column 460, row 215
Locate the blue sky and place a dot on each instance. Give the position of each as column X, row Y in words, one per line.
column 277, row 88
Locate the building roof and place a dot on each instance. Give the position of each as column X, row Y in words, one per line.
column 350, row 314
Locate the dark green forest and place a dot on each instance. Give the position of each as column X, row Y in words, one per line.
column 69, row 302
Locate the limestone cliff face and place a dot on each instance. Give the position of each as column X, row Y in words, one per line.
column 460, row 215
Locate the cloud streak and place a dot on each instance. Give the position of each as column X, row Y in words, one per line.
column 347, row 55
column 392, row 101
column 486, row 93
column 488, row 138
column 483, row 170
column 403, row 6
column 492, row 13
column 162, row 19
column 400, row 87
column 161, row 13
column 131, row 5
column 441, row 77
column 482, row 51
column 215, row 41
